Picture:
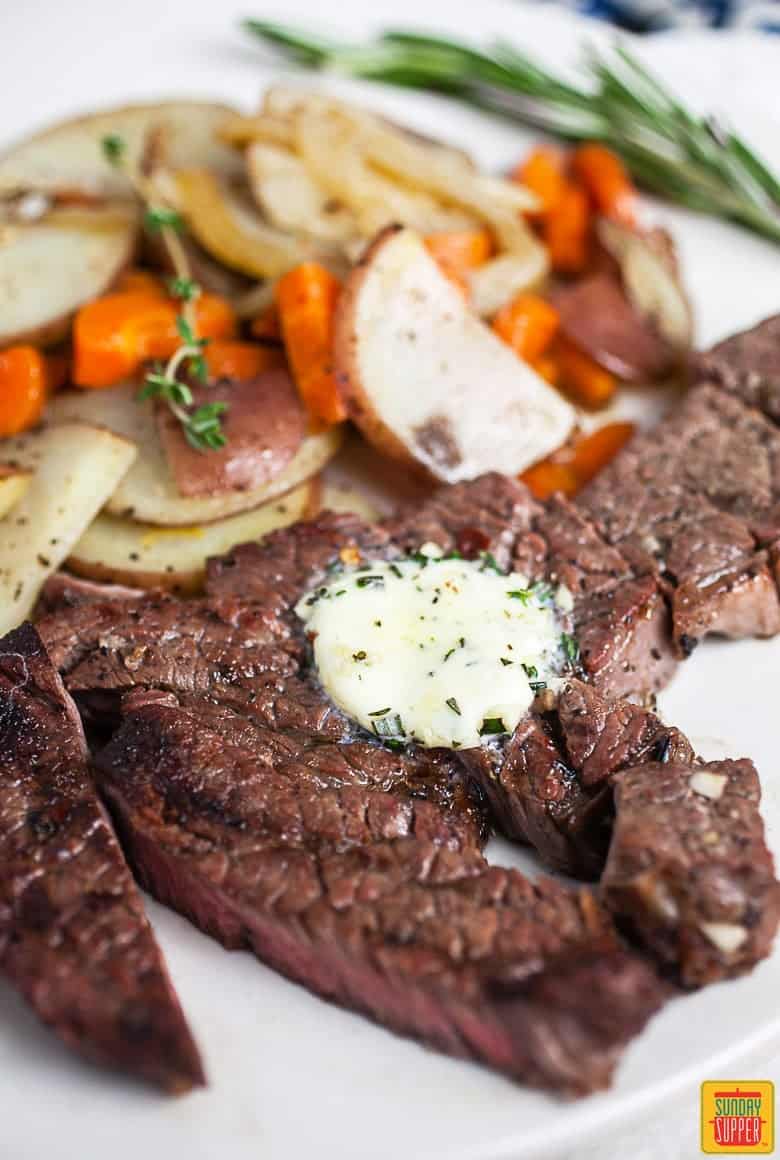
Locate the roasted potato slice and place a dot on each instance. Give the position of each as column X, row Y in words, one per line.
column 68, row 157
column 14, row 482
column 121, row 551
column 77, row 467
column 53, row 265
column 148, row 491
column 427, row 382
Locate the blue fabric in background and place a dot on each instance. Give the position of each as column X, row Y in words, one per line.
column 657, row 15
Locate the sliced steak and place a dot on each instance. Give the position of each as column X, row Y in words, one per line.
column 73, row 935
column 747, row 365
column 689, row 873
column 374, row 901
column 620, row 619
column 550, row 784
column 696, row 502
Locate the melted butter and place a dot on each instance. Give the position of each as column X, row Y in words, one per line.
column 441, row 651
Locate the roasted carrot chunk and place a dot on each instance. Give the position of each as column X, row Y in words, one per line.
column 547, row 367
column 592, row 452
column 23, row 388
column 114, row 335
column 459, row 252
column 566, row 231
column 528, row 324
column 547, row 477
column 571, row 467
column 581, row 377
column 543, row 172
column 226, row 359
column 606, row 180
column 307, row 297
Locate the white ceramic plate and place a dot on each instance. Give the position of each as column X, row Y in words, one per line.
column 292, row 1076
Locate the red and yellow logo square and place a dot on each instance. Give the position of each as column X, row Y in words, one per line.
column 738, row 1117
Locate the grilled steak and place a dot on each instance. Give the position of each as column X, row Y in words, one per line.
column 696, row 502
column 374, row 900
column 550, row 784
column 73, row 936
column 247, row 801
column 747, row 365
column 689, row 872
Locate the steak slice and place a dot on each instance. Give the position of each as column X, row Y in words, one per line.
column 689, row 872
column 371, row 901
column 73, row 935
column 747, row 365
column 620, row 619
column 696, row 502
column 550, row 784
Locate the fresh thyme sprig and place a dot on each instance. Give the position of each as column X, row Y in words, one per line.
column 697, row 161
column 201, row 426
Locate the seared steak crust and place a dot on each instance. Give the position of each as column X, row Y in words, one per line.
column 696, row 503
column 689, row 872
column 73, row 935
column 747, row 365
column 376, row 901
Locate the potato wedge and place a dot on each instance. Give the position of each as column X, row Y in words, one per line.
column 291, row 199
column 52, row 266
column 121, row 551
column 230, row 230
column 77, row 469
column 68, row 156
column 148, row 492
column 14, row 482
column 427, row 382
column 651, row 279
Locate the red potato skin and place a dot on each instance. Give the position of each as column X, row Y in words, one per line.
column 264, row 427
column 596, row 315
column 345, row 364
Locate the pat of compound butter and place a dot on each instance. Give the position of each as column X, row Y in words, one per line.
column 432, row 649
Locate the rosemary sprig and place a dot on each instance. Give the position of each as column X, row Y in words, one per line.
column 696, row 161
column 202, row 426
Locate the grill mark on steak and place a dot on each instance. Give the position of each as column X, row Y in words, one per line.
column 378, row 903
column 73, row 935
column 746, row 365
column 696, row 503
column 689, row 873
